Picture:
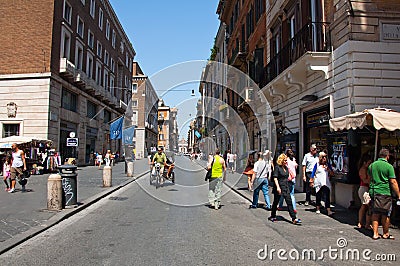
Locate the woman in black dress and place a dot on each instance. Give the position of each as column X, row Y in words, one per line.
column 281, row 187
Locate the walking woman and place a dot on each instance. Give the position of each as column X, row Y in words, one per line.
column 320, row 178
column 218, row 174
column 280, row 177
column 292, row 166
column 249, row 170
column 363, row 193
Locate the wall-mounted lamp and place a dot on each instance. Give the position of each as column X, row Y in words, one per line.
column 309, row 98
column 275, row 113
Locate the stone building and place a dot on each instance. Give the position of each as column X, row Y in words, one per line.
column 314, row 60
column 67, row 67
column 145, row 108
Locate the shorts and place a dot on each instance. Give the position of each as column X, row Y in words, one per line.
column 363, row 194
column 16, row 172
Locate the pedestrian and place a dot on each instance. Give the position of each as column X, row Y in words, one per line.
column 309, row 160
column 262, row 171
column 248, row 171
column 292, row 166
column 99, row 159
column 363, row 193
column 281, row 187
column 218, row 175
column 107, row 158
column 18, row 166
column 320, row 181
column 7, row 171
column 231, row 160
column 383, row 179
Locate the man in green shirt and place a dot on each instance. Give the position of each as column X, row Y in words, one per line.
column 383, row 179
column 160, row 158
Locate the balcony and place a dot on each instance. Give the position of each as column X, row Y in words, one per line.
column 309, row 49
column 238, row 57
column 67, row 69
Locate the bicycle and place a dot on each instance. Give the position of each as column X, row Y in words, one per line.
column 157, row 175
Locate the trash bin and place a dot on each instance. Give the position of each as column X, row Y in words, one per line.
column 69, row 184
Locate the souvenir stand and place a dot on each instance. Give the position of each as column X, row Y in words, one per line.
column 359, row 133
column 33, row 147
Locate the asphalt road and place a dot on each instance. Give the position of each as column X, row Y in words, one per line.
column 142, row 225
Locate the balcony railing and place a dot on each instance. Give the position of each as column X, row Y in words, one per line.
column 313, row 37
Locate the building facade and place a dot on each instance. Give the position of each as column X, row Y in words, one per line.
column 145, row 109
column 317, row 59
column 71, row 68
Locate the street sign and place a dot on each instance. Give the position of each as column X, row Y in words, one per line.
column 72, row 142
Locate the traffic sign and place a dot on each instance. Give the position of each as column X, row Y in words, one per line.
column 72, row 142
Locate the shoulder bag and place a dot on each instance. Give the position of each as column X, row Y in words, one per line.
column 209, row 171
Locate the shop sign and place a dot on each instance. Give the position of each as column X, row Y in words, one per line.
column 72, row 142
column 339, row 159
column 314, row 120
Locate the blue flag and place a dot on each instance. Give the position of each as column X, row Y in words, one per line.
column 116, row 128
column 127, row 135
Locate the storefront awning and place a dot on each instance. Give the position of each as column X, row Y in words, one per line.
column 8, row 141
column 378, row 118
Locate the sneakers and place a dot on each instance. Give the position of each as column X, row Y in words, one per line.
column 216, row 205
column 11, row 190
column 318, row 212
column 7, row 189
column 252, row 207
column 306, row 203
column 272, row 219
column 280, row 209
column 296, row 221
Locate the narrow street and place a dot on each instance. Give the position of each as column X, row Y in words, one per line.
column 136, row 226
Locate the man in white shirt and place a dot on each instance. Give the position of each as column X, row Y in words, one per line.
column 231, row 161
column 259, row 181
column 309, row 160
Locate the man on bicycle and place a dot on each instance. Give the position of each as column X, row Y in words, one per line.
column 160, row 158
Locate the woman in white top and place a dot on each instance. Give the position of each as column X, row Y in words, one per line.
column 320, row 179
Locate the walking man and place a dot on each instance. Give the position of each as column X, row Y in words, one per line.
column 218, row 175
column 383, row 179
column 262, row 169
column 231, row 160
column 18, row 165
column 309, row 160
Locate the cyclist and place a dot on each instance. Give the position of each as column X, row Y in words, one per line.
column 160, row 158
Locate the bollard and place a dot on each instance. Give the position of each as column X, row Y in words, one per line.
column 130, row 169
column 107, row 176
column 54, row 192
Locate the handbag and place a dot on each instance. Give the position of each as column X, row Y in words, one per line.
column 209, row 171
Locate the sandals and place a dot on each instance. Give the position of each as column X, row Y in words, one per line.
column 376, row 238
column 390, row 237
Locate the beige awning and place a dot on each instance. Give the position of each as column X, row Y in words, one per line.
column 378, row 118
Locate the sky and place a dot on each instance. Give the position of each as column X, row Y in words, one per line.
column 166, row 33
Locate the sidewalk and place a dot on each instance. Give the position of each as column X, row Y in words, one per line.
column 238, row 183
column 23, row 215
